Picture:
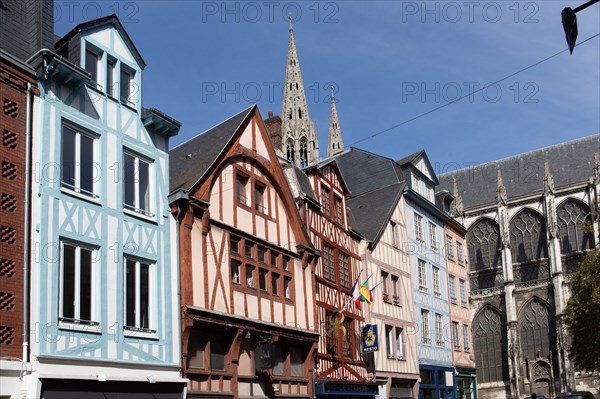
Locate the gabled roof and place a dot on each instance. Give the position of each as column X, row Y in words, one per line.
column 371, row 212
column 364, row 171
column 189, row 161
column 570, row 163
column 99, row 22
column 412, row 161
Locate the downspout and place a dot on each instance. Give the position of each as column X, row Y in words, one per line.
column 178, row 266
column 28, row 124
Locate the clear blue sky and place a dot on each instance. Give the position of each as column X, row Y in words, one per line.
column 390, row 61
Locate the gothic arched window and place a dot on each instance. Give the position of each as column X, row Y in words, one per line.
column 303, row 153
column 290, row 151
column 484, row 245
column 574, row 226
column 490, row 345
column 528, row 236
column 536, row 332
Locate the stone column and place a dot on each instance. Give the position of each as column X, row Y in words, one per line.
column 509, row 288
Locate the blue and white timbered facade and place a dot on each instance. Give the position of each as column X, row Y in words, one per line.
column 425, row 226
column 104, row 285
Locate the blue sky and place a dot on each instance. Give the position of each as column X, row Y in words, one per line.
column 390, row 62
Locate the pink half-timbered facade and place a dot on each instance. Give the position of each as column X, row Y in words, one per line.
column 246, row 263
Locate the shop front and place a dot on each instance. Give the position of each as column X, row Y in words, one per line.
column 437, row 383
column 87, row 389
column 466, row 383
column 345, row 389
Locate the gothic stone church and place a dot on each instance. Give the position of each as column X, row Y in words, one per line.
column 530, row 218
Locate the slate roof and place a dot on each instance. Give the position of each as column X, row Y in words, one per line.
column 410, row 158
column 95, row 23
column 371, row 211
column 363, row 171
column 570, row 163
column 189, row 161
column 304, row 182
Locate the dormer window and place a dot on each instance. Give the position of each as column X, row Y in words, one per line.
column 126, row 86
column 92, row 59
column 111, row 65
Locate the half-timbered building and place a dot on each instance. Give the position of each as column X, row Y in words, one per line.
column 530, row 219
column 104, row 289
column 377, row 210
column 246, row 264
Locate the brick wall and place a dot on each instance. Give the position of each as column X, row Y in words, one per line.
column 12, row 213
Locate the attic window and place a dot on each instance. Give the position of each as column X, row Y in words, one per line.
column 126, row 84
column 91, row 63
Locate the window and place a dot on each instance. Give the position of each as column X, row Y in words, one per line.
column 195, row 355
column 328, row 263
column 262, row 279
column 136, row 179
column 137, row 294
column 399, row 344
column 425, row 327
column 459, row 252
column 339, row 213
column 274, row 257
column 92, row 59
column 286, row 263
column 452, row 282
column 249, row 249
column 449, row 247
column 296, row 362
column 395, row 237
column 77, row 163
column 110, row 77
column 235, row 271
column 348, row 338
column 240, row 188
column 325, row 201
column 126, row 84
column 422, row 276
column 439, row 336
column 344, row 270
column 463, row 293
column 396, row 290
column 419, row 228
column 218, row 351
column 234, row 244
column 249, row 276
column 76, row 282
column 455, row 336
column 262, row 253
column 466, row 340
column 416, row 183
column 384, row 285
column 259, row 193
column 287, row 292
column 275, row 284
column 437, row 291
column 389, row 334
column 433, row 236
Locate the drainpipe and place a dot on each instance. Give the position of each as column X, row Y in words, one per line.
column 28, row 124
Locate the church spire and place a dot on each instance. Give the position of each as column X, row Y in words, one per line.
column 299, row 134
column 335, row 144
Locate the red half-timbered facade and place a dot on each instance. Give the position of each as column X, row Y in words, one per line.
column 340, row 321
column 246, row 263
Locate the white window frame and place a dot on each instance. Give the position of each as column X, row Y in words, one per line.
column 151, row 294
column 77, row 282
column 130, row 72
column 389, row 335
column 466, row 342
column 437, row 289
column 422, row 272
column 456, row 335
column 99, row 58
column 433, row 236
column 425, row 338
column 136, row 164
column 439, row 334
column 395, row 237
column 459, row 253
column 399, row 343
column 449, row 247
column 79, row 132
column 463, row 292
column 452, row 283
column 419, row 228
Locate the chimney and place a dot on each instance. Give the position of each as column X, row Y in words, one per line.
column 273, row 125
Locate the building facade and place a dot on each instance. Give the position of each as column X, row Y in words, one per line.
column 425, row 225
column 247, row 266
column 377, row 210
column 100, row 242
column 530, row 219
column 18, row 89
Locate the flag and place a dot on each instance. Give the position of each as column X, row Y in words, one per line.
column 365, row 294
column 356, row 294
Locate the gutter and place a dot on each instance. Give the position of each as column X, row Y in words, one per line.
column 26, row 240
